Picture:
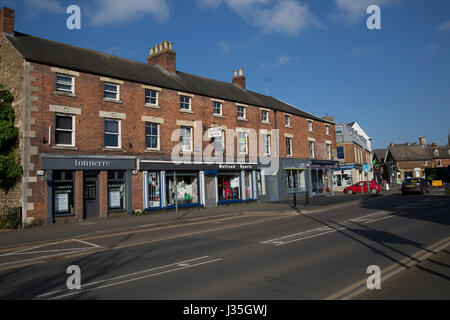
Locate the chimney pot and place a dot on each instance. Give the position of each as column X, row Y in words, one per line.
column 239, row 79
column 163, row 55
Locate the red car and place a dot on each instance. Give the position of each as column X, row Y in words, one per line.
column 357, row 187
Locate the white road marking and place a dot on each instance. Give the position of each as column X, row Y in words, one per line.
column 126, row 275
column 369, row 218
column 88, row 243
column 134, row 279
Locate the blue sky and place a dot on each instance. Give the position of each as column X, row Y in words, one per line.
column 318, row 54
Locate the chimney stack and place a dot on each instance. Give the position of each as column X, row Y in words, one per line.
column 239, row 79
column 422, row 141
column 163, row 55
column 6, row 21
column 329, row 118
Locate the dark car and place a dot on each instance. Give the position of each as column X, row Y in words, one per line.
column 362, row 187
column 415, row 185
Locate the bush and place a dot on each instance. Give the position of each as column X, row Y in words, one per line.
column 10, row 219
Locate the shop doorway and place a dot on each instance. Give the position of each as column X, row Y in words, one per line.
column 90, row 195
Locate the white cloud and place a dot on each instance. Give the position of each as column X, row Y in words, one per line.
column 120, row 11
column 360, row 51
column 352, row 11
column 224, row 47
column 50, row 6
column 445, row 27
column 285, row 16
column 432, row 48
column 280, row 62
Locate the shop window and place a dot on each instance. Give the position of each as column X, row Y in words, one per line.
column 185, row 188
column 63, row 193
column 116, row 190
column 154, row 190
column 260, row 183
column 295, row 180
column 229, row 187
column 248, row 185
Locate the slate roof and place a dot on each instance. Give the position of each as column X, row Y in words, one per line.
column 444, row 152
column 85, row 60
column 380, row 154
column 411, row 152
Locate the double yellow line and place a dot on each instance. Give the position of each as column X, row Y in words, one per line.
column 361, row 286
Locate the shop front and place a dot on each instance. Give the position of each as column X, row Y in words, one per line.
column 292, row 177
column 87, row 187
column 171, row 185
column 345, row 175
column 321, row 177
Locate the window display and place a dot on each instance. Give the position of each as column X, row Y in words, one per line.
column 116, row 190
column 154, row 197
column 186, row 188
column 229, row 187
column 63, row 192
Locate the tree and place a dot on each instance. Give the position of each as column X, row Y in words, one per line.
column 10, row 169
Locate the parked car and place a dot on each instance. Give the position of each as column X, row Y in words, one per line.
column 362, row 186
column 415, row 185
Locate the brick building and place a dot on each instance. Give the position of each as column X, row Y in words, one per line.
column 353, row 151
column 100, row 134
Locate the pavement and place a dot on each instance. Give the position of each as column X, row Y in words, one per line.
column 69, row 230
column 427, row 280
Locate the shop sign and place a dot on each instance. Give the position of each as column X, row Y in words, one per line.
column 215, row 132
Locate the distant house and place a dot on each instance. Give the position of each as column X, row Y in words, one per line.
column 408, row 160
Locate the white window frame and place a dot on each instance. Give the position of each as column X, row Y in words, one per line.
column 150, row 97
column 214, row 108
column 191, row 129
column 312, row 151
column 72, row 84
column 158, row 137
column 341, row 130
column 287, row 124
column 268, row 137
column 66, row 130
column 310, row 125
column 185, row 103
column 245, row 112
column 117, row 98
column 328, row 150
column 327, row 129
column 289, row 151
column 267, row 120
column 246, row 143
column 119, row 134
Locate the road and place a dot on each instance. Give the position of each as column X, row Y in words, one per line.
column 262, row 256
